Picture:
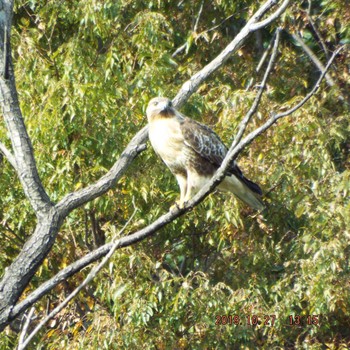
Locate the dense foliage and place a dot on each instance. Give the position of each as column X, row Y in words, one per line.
column 85, row 71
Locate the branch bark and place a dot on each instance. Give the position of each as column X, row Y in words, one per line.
column 21, row 144
column 92, row 274
column 23, row 268
column 76, row 199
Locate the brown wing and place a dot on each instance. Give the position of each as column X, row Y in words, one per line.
column 208, row 145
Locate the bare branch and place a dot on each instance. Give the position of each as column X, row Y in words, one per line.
column 314, row 89
column 191, row 85
column 21, row 144
column 272, row 17
column 92, row 274
column 317, row 32
column 184, row 46
column 264, row 56
column 216, row 26
column 25, row 328
column 6, row 152
column 245, row 121
column 313, row 58
column 198, row 17
column 261, row 62
column 179, row 49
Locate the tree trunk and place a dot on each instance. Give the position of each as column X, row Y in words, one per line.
column 19, row 273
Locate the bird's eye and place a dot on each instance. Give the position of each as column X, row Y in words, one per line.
column 155, row 103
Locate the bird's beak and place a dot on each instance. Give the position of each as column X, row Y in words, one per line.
column 164, row 106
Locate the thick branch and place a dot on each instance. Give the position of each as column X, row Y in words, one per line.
column 92, row 274
column 21, row 144
column 76, row 199
column 22, row 269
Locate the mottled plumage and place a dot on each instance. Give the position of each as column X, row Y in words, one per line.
column 193, row 152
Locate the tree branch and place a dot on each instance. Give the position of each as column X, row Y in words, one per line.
column 21, row 144
column 243, row 125
column 92, row 274
column 312, row 92
column 313, row 58
column 25, row 328
column 272, row 17
column 317, row 32
column 191, row 85
column 76, row 199
column 261, row 62
column 6, row 152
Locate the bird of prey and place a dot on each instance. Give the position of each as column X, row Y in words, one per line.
column 193, row 152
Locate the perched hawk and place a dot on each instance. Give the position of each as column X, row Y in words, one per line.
column 193, row 152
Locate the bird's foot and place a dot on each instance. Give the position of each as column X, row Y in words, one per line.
column 177, row 205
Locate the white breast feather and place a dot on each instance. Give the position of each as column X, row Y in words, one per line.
column 167, row 139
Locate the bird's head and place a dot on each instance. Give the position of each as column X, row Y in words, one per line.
column 159, row 107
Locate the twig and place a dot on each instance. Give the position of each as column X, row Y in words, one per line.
column 313, row 91
column 198, row 17
column 243, row 125
column 25, row 328
column 6, row 152
column 319, row 36
column 184, row 46
column 216, row 26
column 313, row 58
column 261, row 62
column 179, row 49
column 92, row 274
column 264, row 56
